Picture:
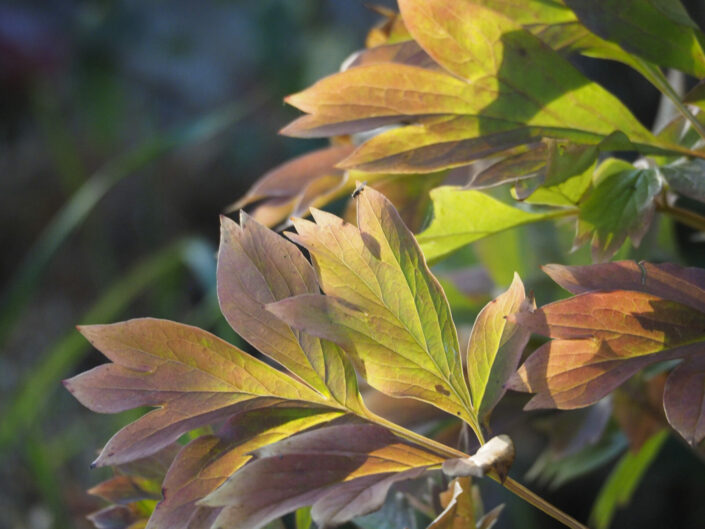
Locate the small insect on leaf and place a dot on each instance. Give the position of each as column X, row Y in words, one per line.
column 358, row 189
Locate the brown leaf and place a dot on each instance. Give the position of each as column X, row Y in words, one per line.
column 191, row 376
column 684, row 399
column 256, row 267
column 603, row 338
column 291, row 188
column 459, row 510
column 347, row 468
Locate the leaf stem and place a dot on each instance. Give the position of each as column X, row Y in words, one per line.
column 684, row 216
column 511, row 485
column 656, row 77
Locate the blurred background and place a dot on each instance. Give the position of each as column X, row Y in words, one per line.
column 126, row 127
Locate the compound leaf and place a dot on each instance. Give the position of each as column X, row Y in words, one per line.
column 621, row 205
column 257, row 266
column 382, row 304
column 601, row 338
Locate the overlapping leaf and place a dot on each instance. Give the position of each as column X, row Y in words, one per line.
column 461, row 217
column 382, row 304
column 207, row 461
column 622, row 204
column 291, row 188
column 660, row 32
column 191, row 376
column 480, row 112
column 133, row 491
column 343, row 471
column 458, row 507
column 257, row 267
column 608, row 332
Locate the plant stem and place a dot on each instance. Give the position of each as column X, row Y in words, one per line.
column 684, row 216
column 656, row 77
column 511, row 485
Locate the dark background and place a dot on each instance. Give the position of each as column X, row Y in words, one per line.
column 146, row 119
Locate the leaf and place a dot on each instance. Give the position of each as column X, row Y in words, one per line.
column 684, row 399
column 686, row 177
column 207, row 461
column 406, row 52
column 256, row 267
column 454, row 120
column 495, row 348
column 291, row 188
column 490, row 519
column 603, row 338
column 659, row 31
column 383, row 305
column 461, row 217
column 497, row 55
column 343, row 471
column 638, row 409
column 459, row 511
column 620, row 486
column 191, row 376
column 666, row 280
column 621, row 205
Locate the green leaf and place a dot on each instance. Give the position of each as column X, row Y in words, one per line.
column 619, row 488
column 497, row 55
column 659, row 31
column 495, row 348
column 686, row 177
column 461, row 217
column 191, row 376
column 383, row 305
column 453, row 119
column 621, row 205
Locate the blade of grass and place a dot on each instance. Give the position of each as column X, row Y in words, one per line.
column 71, row 215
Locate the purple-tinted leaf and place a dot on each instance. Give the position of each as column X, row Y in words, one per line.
column 684, row 399
column 191, row 376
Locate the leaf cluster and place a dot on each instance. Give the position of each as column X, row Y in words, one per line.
column 470, row 107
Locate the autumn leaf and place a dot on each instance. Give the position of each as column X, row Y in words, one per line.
column 256, row 267
column 495, row 348
column 455, row 119
column 463, row 216
column 382, row 305
column 291, row 188
column 343, row 471
column 209, row 460
column 459, row 510
column 133, row 491
column 621, row 205
column 601, row 338
column 192, row 378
